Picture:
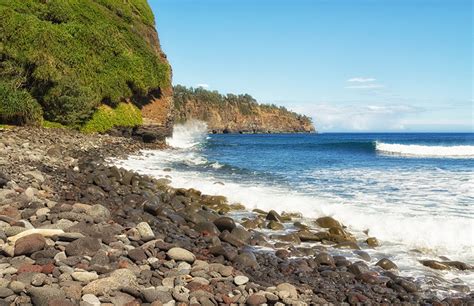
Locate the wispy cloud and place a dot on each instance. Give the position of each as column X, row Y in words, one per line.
column 360, row 118
column 365, row 86
column 361, row 80
column 363, row 83
column 203, row 85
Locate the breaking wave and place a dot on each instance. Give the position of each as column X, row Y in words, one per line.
column 425, row 151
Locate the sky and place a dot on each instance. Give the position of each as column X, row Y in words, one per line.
column 351, row 65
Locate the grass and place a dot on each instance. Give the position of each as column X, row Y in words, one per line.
column 72, row 56
column 106, row 118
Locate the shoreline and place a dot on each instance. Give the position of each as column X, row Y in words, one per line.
column 63, row 183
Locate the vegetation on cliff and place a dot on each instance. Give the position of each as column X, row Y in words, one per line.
column 236, row 113
column 62, row 59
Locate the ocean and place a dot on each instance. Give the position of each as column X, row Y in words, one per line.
column 414, row 192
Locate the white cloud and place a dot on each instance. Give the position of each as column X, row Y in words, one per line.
column 359, row 118
column 203, row 85
column 361, row 80
column 365, row 86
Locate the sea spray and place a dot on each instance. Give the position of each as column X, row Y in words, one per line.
column 188, row 135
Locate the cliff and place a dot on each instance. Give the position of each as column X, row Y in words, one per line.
column 73, row 62
column 236, row 113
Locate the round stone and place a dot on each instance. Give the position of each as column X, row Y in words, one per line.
column 241, row 280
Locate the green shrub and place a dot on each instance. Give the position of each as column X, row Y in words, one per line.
column 106, row 118
column 18, row 106
column 52, row 125
column 73, row 55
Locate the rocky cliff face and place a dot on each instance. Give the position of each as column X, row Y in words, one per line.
column 236, row 113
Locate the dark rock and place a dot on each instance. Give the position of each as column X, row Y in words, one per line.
column 372, row 242
column 325, row 259
column 207, row 228
column 42, row 295
column 433, row 264
column 5, row 292
column 137, row 255
column 256, row 299
column 225, row 223
column 83, row 246
column 228, row 237
column 328, row 222
column 386, row 264
column 246, row 259
column 362, row 254
column 358, row 268
column 29, row 244
column 273, row 216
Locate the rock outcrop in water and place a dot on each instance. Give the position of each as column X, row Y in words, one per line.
column 236, row 113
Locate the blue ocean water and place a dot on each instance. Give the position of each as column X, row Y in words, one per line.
column 414, row 192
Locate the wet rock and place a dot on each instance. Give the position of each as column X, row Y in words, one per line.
column 358, row 268
column 180, row 254
column 274, row 225
column 386, row 264
column 458, row 265
column 372, row 242
column 225, row 223
column 347, row 245
column 83, row 246
column 362, row 254
column 325, row 259
column 433, row 264
column 207, row 228
column 273, row 216
column 29, row 244
column 328, row 222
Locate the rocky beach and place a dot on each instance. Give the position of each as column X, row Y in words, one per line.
column 76, row 230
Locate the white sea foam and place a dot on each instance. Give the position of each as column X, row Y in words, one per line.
column 426, row 151
column 188, row 135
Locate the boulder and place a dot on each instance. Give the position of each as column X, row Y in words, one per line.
column 83, row 246
column 29, row 244
column 273, row 215
column 386, row 264
column 145, row 231
column 43, row 295
column 180, row 254
column 328, row 222
column 118, row 279
column 225, row 223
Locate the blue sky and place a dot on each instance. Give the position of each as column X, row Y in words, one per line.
column 352, row 65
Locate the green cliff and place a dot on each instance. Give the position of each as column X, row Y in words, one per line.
column 70, row 61
column 236, row 113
